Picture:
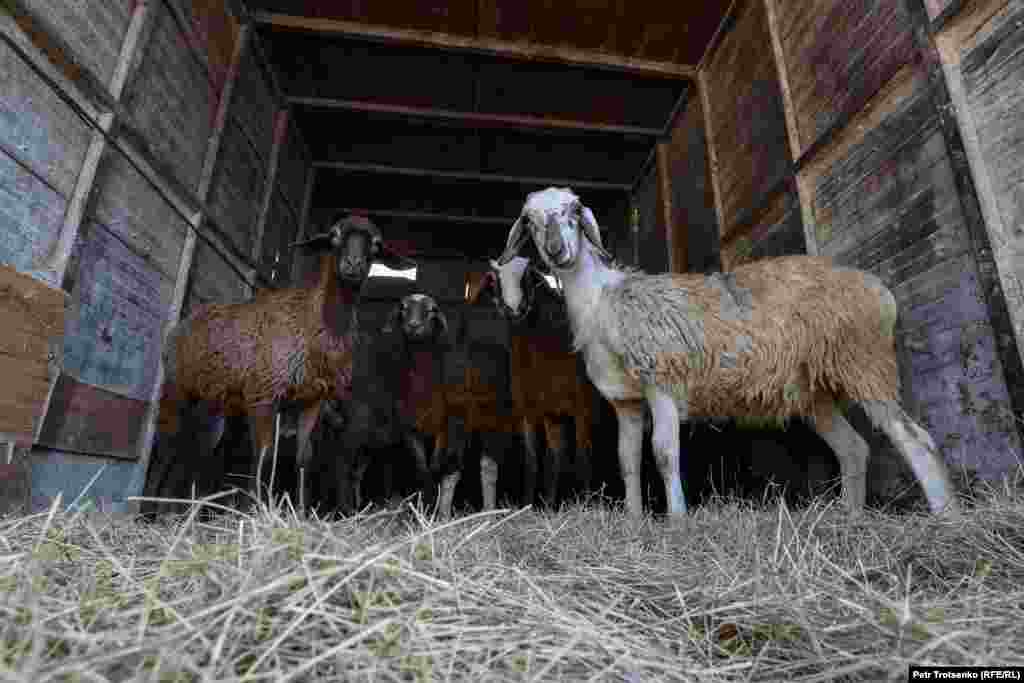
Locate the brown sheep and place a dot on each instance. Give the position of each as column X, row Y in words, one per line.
column 547, row 381
column 793, row 336
column 286, row 348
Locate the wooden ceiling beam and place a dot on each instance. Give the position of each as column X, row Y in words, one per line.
column 489, row 46
column 474, row 118
column 428, row 216
column 483, row 177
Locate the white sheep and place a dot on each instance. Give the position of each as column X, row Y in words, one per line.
column 776, row 338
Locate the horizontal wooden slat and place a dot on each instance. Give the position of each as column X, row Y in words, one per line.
column 88, row 419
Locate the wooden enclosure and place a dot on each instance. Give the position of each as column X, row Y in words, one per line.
column 156, row 155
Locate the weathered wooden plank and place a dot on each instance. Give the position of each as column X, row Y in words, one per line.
column 275, row 256
column 212, row 34
column 693, row 202
column 31, row 215
column 93, row 29
column 838, row 53
column 129, row 207
column 993, row 74
column 120, row 302
column 293, row 168
column 37, row 128
column 212, row 280
column 254, row 108
column 171, row 102
column 745, row 102
column 237, row 187
column 90, row 419
column 778, row 231
column 32, row 317
column 675, row 242
column 270, row 194
column 68, row 474
column 653, row 254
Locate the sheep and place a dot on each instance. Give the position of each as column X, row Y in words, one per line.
column 474, row 399
column 547, row 383
column 793, row 336
column 395, row 377
column 285, row 348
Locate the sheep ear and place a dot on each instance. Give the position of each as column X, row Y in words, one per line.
column 593, row 232
column 516, row 238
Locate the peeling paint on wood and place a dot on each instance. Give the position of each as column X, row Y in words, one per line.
column 93, row 29
column 884, row 198
column 89, row 419
column 31, row 215
column 745, row 103
column 119, row 306
column 68, row 474
column 171, row 102
column 37, row 128
column 838, row 54
column 32, row 317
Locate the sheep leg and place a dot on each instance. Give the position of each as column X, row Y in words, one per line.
column 529, row 462
column 414, row 442
column 918, row 449
column 303, row 451
column 452, row 465
column 851, row 451
column 362, row 464
column 489, row 480
column 630, row 415
column 583, row 466
column 666, row 414
column 554, row 432
column 261, row 430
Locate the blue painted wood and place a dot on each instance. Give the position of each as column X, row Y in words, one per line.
column 69, row 474
column 31, row 214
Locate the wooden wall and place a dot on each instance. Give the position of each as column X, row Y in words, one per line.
column 184, row 189
column 880, row 185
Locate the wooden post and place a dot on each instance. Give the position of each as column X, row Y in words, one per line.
column 270, row 187
column 709, row 135
column 673, row 241
column 805, row 194
column 307, row 200
column 56, row 266
column 188, row 251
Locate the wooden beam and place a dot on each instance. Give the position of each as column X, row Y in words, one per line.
column 467, row 117
column 483, row 177
column 665, row 206
column 307, row 204
column 427, row 216
column 709, row 135
column 270, row 187
column 188, row 250
column 498, row 48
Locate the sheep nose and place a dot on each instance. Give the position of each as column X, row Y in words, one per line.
column 553, row 243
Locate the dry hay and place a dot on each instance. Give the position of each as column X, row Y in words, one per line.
column 731, row 592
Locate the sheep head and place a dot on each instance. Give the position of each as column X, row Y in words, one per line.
column 506, row 285
column 356, row 243
column 555, row 219
column 419, row 318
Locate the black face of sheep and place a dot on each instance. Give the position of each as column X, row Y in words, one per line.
column 357, row 244
column 419, row 318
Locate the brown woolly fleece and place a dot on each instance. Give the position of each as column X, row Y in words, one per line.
column 220, row 353
column 772, row 339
